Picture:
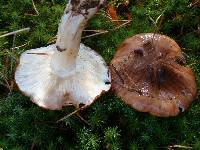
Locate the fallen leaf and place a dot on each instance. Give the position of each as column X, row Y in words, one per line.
column 113, row 14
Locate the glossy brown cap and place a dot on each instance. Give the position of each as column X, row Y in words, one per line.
column 148, row 74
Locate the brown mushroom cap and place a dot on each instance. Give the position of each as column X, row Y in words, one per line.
column 148, row 74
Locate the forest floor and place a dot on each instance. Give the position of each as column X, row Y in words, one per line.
column 108, row 123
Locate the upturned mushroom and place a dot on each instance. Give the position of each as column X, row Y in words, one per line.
column 148, row 73
column 66, row 72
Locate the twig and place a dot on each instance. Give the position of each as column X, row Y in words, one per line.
column 106, row 31
column 15, row 32
column 74, row 112
column 35, row 7
column 20, row 46
column 186, row 49
column 104, row 14
column 107, row 15
column 123, row 24
column 99, row 31
column 38, row 53
column 157, row 19
column 82, row 118
column 26, row 14
column 121, row 20
column 179, row 146
column 155, row 22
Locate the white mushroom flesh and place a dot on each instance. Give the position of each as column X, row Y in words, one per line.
column 66, row 72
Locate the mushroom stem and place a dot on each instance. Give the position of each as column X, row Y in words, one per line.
column 73, row 21
column 67, row 72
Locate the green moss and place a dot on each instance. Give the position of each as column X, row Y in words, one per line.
column 112, row 139
column 110, row 123
column 88, row 140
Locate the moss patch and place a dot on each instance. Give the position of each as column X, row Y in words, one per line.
column 110, row 123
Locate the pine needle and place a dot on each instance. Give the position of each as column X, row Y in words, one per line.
column 35, row 7
column 74, row 112
column 179, row 146
column 106, row 31
column 15, row 32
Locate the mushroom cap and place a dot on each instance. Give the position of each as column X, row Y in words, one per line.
column 36, row 79
column 147, row 73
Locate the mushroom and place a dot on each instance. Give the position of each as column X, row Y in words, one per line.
column 148, row 74
column 66, row 72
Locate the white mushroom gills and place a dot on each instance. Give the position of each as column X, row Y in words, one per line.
column 66, row 72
